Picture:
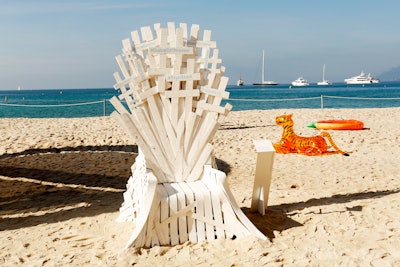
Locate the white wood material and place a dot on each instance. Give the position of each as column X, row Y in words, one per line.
column 186, row 211
column 173, row 84
column 263, row 175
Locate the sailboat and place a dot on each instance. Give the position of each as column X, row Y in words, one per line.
column 240, row 81
column 264, row 83
column 324, row 82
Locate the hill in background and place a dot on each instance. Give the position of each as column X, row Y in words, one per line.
column 390, row 75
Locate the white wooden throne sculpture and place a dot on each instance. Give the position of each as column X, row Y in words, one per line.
column 170, row 104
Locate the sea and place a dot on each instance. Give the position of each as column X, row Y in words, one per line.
column 75, row 103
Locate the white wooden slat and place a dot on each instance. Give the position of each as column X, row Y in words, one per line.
column 216, row 207
column 179, row 161
column 135, row 38
column 118, row 105
column 183, row 26
column 205, row 48
column 194, row 32
column 221, row 87
column 199, row 198
column 208, row 211
column 125, row 94
column 171, row 34
column 122, row 66
column 214, row 92
column 240, row 215
column 147, row 34
column 163, row 229
column 204, row 125
column 163, row 106
column 209, row 107
column 197, row 166
column 173, row 209
column 182, row 220
column 131, row 126
column 156, row 220
column 148, row 197
column 162, row 136
column 207, row 131
column 189, row 130
column 190, row 199
column 263, row 175
column 155, row 147
column 222, row 116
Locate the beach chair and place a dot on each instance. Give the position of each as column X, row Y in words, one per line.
column 170, row 97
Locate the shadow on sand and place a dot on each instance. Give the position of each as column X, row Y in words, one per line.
column 50, row 185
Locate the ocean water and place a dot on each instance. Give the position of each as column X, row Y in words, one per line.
column 70, row 103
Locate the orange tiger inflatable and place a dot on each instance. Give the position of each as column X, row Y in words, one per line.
column 310, row 146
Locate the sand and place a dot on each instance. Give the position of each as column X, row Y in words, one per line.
column 61, row 185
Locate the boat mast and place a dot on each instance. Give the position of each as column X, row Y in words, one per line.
column 262, row 74
column 323, row 73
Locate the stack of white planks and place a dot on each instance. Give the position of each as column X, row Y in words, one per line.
column 173, row 85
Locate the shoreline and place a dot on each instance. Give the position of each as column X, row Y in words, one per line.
column 61, row 185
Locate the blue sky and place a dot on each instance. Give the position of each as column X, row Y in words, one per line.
column 73, row 44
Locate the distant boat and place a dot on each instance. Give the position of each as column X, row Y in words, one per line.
column 264, row 83
column 324, row 82
column 361, row 79
column 19, row 88
column 240, row 81
column 300, row 82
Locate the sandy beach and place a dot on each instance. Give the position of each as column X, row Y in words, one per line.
column 61, row 185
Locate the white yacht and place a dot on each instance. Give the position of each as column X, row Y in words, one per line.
column 300, row 82
column 264, row 83
column 361, row 79
column 324, row 82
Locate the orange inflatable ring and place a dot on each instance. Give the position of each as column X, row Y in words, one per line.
column 339, row 125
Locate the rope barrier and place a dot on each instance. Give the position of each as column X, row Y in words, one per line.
column 230, row 99
column 273, row 100
column 362, row 98
column 52, row 106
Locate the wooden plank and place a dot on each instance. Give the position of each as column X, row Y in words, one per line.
column 195, row 169
column 222, row 116
column 125, row 94
column 147, row 34
column 208, row 211
column 207, row 130
column 153, row 144
column 147, row 202
column 182, row 220
column 216, row 208
column 230, row 204
column 209, row 107
column 214, row 92
column 263, row 175
column 178, row 51
column 191, row 227
column 179, row 162
column 183, row 26
column 173, row 209
column 118, row 105
column 182, row 94
column 158, row 123
column 200, row 226
column 189, row 132
column 171, row 34
column 130, row 122
column 163, row 229
column 122, row 66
